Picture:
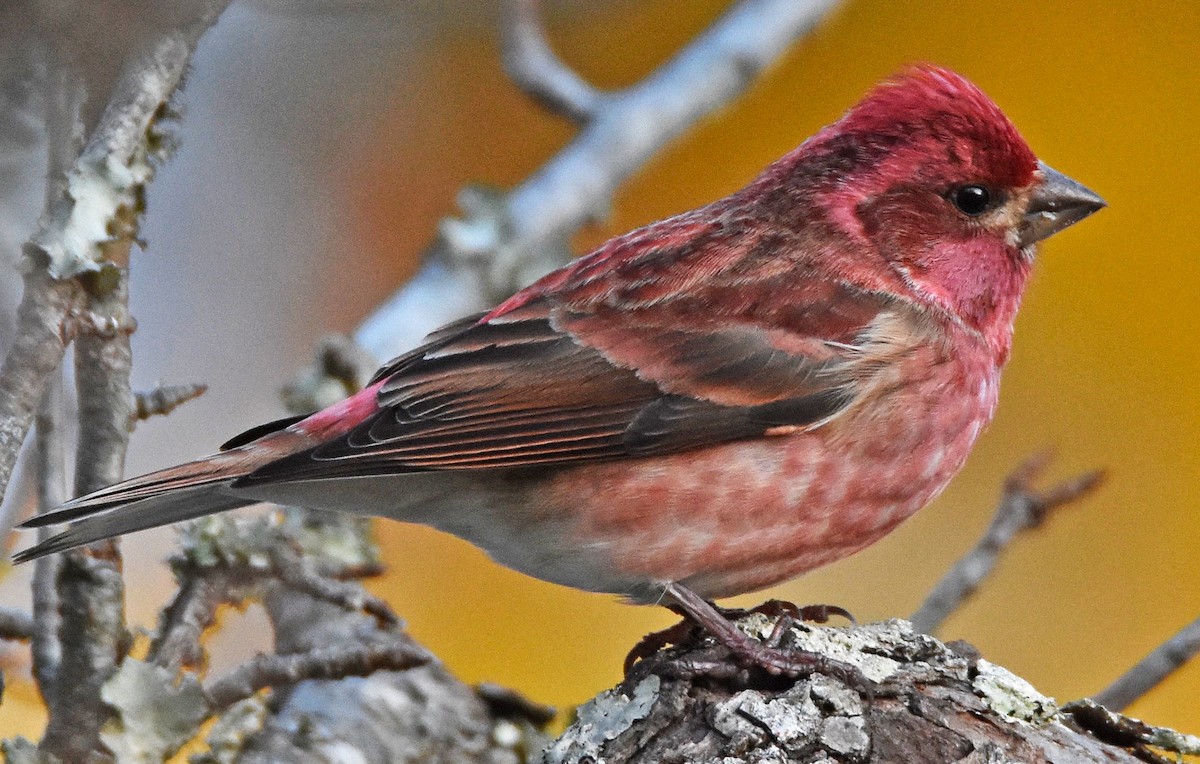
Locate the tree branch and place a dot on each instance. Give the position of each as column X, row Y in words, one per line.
column 40, row 339
column 534, row 67
column 1153, row 669
column 64, row 139
column 505, row 242
column 191, row 612
column 928, row 702
column 163, row 399
column 91, row 591
column 16, row 625
column 297, row 572
column 328, row 662
column 50, row 458
column 84, row 237
column 1022, row 507
column 1131, row 733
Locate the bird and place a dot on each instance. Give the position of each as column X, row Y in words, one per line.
column 702, row 407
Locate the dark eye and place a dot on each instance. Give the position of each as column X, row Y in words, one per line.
column 972, row 200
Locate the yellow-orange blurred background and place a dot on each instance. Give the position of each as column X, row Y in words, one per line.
column 1102, row 370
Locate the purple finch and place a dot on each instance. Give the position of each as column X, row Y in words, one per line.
column 704, row 406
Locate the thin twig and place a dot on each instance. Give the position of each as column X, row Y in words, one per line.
column 332, row 662
column 191, row 612
column 1124, row 731
column 1022, row 507
column 16, row 625
column 163, row 399
column 1153, row 669
column 504, row 243
column 50, row 455
column 297, row 573
column 533, row 66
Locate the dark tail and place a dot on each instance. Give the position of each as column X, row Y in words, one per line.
column 184, row 492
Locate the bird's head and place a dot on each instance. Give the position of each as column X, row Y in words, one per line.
column 929, row 177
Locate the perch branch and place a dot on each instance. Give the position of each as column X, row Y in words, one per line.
column 331, row 662
column 1154, row 668
column 1021, row 508
column 504, row 243
column 533, row 66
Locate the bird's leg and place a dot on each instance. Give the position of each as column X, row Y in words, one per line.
column 786, row 614
column 753, row 653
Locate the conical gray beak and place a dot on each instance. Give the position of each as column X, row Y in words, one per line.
column 1057, row 203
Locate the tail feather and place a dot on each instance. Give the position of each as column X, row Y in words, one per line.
column 184, row 492
column 211, row 470
column 164, row 509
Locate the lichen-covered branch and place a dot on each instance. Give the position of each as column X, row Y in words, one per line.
column 163, row 399
column 182, row 623
column 327, row 662
column 91, row 592
column 40, row 339
column 1153, row 669
column 930, row 702
column 1022, row 507
column 81, row 244
column 1134, row 734
column 50, row 460
column 504, row 242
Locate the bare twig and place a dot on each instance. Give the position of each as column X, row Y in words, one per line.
column 504, row 243
column 297, row 573
column 1022, row 507
column 1153, row 669
column 51, row 458
column 164, row 399
column 183, row 622
column 331, row 662
column 15, row 625
column 534, row 68
column 1120, row 730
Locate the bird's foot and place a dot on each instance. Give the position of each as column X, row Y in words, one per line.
column 786, row 615
column 657, row 640
column 749, row 654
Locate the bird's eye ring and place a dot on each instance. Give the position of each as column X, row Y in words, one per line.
column 971, row 200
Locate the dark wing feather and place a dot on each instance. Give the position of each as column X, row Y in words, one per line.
column 531, row 387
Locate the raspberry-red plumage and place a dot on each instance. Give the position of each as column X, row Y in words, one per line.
column 724, row 399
